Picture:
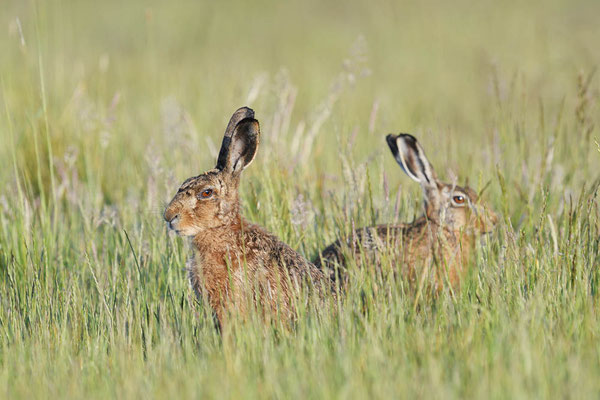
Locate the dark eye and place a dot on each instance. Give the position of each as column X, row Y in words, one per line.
column 459, row 199
column 206, row 193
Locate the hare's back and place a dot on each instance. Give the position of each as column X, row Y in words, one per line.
column 267, row 250
column 364, row 242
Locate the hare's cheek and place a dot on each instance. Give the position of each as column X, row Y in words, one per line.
column 199, row 213
column 482, row 221
column 461, row 219
column 450, row 219
column 223, row 208
column 204, row 213
column 187, row 219
column 487, row 224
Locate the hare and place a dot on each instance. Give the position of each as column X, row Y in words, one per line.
column 434, row 248
column 236, row 263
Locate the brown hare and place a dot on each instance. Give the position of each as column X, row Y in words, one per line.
column 433, row 249
column 237, row 264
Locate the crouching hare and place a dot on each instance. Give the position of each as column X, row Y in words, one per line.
column 434, row 249
column 237, row 265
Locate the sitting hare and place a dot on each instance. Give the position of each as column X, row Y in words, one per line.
column 436, row 246
column 237, row 264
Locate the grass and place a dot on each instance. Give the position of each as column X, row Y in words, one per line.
column 107, row 108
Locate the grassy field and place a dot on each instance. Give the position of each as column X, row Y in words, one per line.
column 106, row 107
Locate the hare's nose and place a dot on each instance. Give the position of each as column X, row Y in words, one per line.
column 173, row 222
column 169, row 215
column 493, row 217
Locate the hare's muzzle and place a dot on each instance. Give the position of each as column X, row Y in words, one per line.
column 488, row 220
column 172, row 219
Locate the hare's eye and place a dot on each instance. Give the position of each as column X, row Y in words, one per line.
column 205, row 194
column 459, row 199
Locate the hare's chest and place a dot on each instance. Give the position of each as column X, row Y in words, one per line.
column 207, row 275
column 193, row 266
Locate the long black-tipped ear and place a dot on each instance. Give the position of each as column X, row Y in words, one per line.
column 240, row 150
column 239, row 115
column 410, row 156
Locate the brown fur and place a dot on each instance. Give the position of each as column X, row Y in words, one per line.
column 238, row 265
column 435, row 247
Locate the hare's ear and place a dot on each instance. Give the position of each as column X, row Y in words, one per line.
column 239, row 148
column 410, row 156
column 236, row 118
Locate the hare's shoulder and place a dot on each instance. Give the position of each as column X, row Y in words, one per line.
column 258, row 239
column 270, row 248
column 385, row 233
column 372, row 237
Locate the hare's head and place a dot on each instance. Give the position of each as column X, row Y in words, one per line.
column 453, row 207
column 210, row 200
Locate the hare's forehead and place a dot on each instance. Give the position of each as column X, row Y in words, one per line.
column 471, row 193
column 209, row 178
column 450, row 190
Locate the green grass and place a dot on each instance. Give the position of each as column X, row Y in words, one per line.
column 107, row 107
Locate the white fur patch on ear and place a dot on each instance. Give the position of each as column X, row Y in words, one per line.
column 403, row 152
column 244, row 144
column 399, row 149
column 426, row 168
column 410, row 156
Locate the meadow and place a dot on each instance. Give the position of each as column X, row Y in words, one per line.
column 106, row 107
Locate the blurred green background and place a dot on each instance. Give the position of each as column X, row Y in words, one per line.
column 108, row 106
column 443, row 71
